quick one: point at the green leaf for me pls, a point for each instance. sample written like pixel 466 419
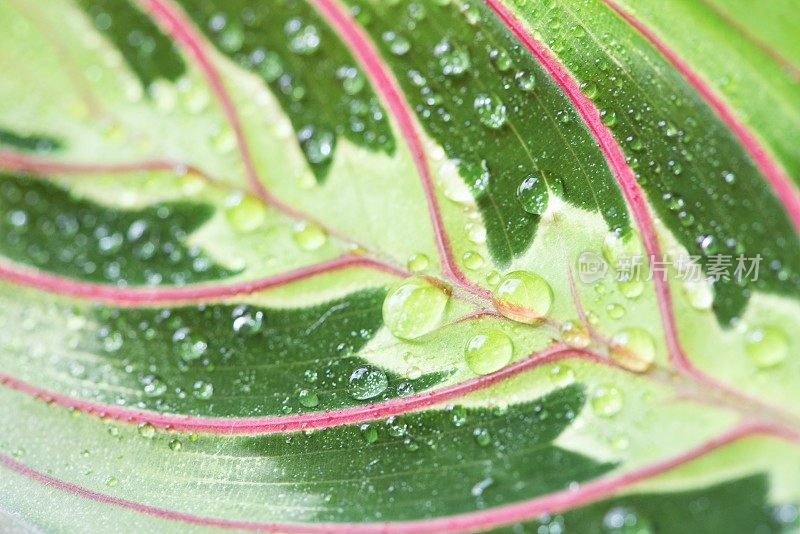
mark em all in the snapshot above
pixel 734 506
pixel 323 265
pixel 53 231
pixel 150 53
pixel 314 77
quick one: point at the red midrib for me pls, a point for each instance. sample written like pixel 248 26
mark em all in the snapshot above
pixel 385 85
pixel 307 421
pixel 149 295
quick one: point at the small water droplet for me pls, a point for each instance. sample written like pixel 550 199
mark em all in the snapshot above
pixel 308 398
pixel 309 236
pixel 414 308
pixel 245 213
pixel 634 349
pixel 367 382
pixel 607 401
pixel 473 260
pixel 491 111
pixel 146 430
pixel 575 334
pixel 175 444
pixel 418 262
pixel 488 352
pixel 767 346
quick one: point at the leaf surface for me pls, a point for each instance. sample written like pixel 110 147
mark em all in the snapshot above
pixel 354 265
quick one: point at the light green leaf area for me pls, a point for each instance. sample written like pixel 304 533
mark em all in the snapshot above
pixel 150 254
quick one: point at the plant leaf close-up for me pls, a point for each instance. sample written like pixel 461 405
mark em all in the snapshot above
pixel 400 266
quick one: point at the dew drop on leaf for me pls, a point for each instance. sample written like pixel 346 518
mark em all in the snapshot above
pixel 491 111
pixel 175 444
pixel 244 213
pixel 575 334
pixel 417 262
pixel 414 308
pixel 454 60
pixel 146 430
pixel 202 389
pixel 526 81
pixel 308 398
pixel 767 346
pixel 607 401
pixel 634 349
pixel 367 382
pixel 523 296
pixel 309 236
pixel 369 433
pixel 533 194
pixel 488 352
pixel 562 375
pixel 615 310
pixel 473 260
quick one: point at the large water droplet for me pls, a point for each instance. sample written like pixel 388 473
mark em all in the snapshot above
pixel 634 349
pixel 523 296
pixel 488 352
pixel 366 382
pixel 767 346
pixel 414 308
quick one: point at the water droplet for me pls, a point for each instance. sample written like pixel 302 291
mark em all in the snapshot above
pixel 634 349
pixel 607 401
pixel 175 444
pixel 153 386
pixel 523 296
pixel 767 346
pixel 482 436
pixel 146 430
pixel 533 194
pixel 418 262
pixel 247 321
pixel 112 481
pixel 203 390
pixel 562 375
pixel 575 334
pixel 473 260
pixel 414 308
pixel 488 352
pixel 454 60
pixel 308 398
pixel 625 520
pixel 501 59
pixel 367 382
pixel 526 81
pixel 369 433
pixel 245 213
pixel 491 111
pixel 309 236
pixel 188 346
pixel 398 45
pixel 303 39
pixel 615 311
